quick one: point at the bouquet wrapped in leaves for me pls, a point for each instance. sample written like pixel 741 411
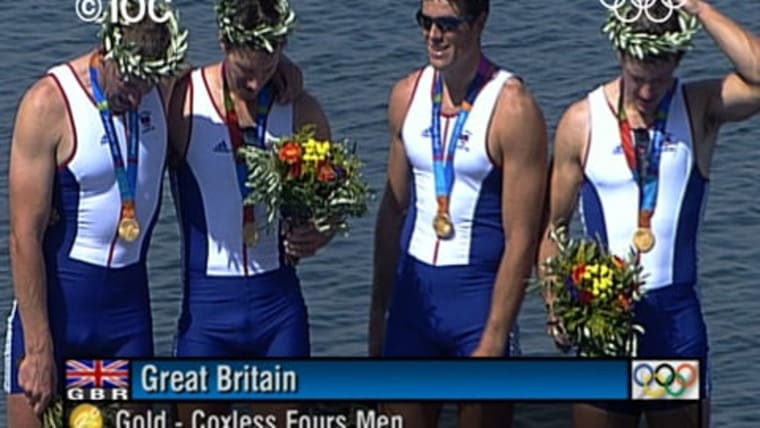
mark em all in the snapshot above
pixel 594 295
pixel 53 415
pixel 300 179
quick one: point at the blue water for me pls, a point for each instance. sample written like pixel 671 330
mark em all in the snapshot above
pixel 352 52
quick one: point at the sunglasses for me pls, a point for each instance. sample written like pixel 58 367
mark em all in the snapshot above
pixel 444 23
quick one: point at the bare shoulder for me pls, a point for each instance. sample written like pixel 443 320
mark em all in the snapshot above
pixel 576 116
pixel 517 118
pixel 44 98
pixel 43 103
pixel 573 130
pixel 516 100
pixel 404 88
pixel 401 96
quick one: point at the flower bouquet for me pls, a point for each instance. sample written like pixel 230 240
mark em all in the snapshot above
pixel 53 415
pixel 301 179
pixel 594 295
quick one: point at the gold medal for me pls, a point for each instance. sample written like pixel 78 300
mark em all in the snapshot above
pixel 129 229
pixel 643 239
pixel 443 226
pixel 250 234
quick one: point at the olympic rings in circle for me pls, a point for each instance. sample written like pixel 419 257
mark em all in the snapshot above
pixel 664 379
pixel 642 6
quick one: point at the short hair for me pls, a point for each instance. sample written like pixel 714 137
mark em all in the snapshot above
pixel 470 7
pixel 149 37
pixel 252 13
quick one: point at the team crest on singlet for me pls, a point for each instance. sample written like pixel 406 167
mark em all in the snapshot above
pixel 463 143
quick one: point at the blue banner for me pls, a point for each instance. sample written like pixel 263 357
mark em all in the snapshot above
pixel 379 379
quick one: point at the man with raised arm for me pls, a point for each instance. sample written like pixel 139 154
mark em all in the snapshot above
pixel 637 152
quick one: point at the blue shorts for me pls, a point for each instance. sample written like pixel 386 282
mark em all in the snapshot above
pixel 673 328
pixel 94 312
pixel 251 317
pixel 439 311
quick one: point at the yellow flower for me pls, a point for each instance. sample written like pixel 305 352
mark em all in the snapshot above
pixel 601 278
pixel 315 151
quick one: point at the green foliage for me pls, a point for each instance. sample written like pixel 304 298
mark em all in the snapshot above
pixel 131 63
pixel 264 35
pixel 642 44
pixel 594 295
pixel 53 415
pixel 327 190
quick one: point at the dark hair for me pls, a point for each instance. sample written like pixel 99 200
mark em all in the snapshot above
pixel 252 13
pixel 470 7
pixel 645 25
pixel 151 38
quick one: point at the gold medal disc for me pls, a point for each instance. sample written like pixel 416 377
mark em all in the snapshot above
pixel 643 240
pixel 443 226
pixel 129 229
pixel 250 234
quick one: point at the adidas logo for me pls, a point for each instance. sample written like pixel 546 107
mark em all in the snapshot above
pixel 222 147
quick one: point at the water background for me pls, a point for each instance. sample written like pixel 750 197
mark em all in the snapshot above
pixel 352 51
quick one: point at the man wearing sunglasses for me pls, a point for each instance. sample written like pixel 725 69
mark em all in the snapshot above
pixel 460 218
pixel 637 152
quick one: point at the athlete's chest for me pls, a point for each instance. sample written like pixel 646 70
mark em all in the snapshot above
pixel 608 166
pixel 140 146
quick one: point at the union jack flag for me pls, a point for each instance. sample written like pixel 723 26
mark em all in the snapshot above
pixel 97 373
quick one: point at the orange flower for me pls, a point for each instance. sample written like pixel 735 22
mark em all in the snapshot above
pixel 290 153
pixel 326 172
pixel 578 272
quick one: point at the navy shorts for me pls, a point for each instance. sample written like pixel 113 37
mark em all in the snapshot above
pixel 248 317
pixel 440 311
pixel 94 312
pixel 673 328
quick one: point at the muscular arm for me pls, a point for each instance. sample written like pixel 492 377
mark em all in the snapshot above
pixel 31 174
pixel 520 131
pixel 737 96
pixel 566 177
pixel 391 214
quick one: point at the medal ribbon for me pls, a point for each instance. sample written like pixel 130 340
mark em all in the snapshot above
pixel 237 138
pixel 643 157
pixel 443 166
pixel 125 177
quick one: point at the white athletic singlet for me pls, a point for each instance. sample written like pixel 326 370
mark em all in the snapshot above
pixel 475 201
pixel 208 197
pixel 610 196
pixel 89 192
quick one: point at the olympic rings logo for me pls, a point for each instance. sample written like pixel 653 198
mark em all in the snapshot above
pixel 642 7
pixel 664 379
